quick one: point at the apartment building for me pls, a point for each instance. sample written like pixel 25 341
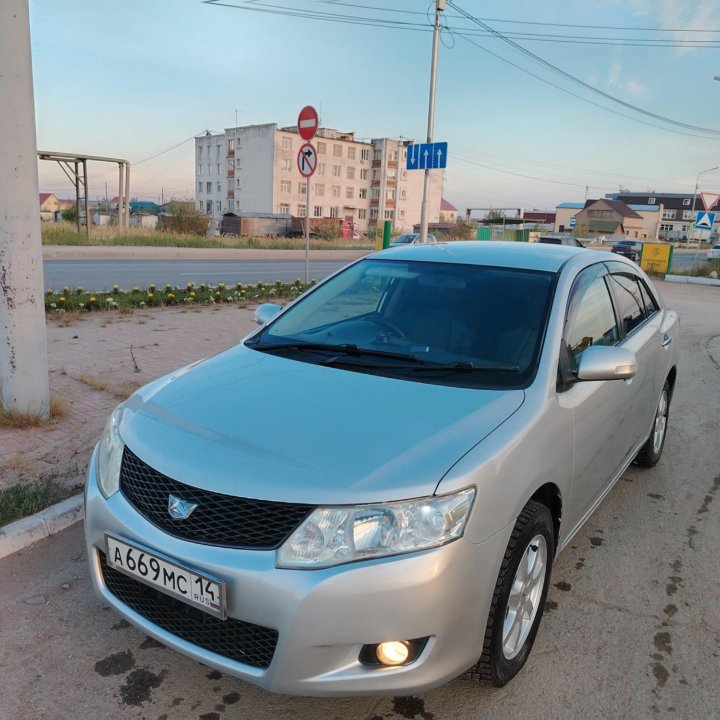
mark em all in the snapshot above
pixel 254 169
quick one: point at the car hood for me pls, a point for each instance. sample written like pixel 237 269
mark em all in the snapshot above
pixel 257 425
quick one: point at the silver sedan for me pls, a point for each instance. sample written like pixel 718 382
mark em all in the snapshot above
pixel 366 495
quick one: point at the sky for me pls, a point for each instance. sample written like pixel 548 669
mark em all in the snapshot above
pixel 540 103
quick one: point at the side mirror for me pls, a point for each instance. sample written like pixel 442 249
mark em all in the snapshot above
pixel 603 362
pixel 266 312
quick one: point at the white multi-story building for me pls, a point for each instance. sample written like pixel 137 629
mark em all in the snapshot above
pixel 253 169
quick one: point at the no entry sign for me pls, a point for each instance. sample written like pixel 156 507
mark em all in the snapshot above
pixel 307 160
pixel 307 123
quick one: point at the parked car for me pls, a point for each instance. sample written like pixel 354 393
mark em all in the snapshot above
pixel 628 248
pixel 713 253
pixel 410 239
pixel 568 240
pixel 367 494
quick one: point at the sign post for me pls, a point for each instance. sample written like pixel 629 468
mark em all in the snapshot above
pixel 307 125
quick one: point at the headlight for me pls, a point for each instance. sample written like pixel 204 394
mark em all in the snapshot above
pixel 336 535
pixel 109 455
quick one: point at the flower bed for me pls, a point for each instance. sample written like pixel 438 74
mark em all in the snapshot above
pixel 79 300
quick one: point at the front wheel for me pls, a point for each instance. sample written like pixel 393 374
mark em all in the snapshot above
pixel 519 597
pixel 651 451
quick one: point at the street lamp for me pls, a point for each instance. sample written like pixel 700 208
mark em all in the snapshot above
pixel 439 7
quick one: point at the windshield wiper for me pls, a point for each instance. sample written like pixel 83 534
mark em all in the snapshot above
pixel 467 366
pixel 344 348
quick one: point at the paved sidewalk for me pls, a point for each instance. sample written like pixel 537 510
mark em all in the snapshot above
pixel 98 359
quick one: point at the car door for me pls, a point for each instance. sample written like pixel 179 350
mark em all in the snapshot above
pixel 600 425
pixel 640 331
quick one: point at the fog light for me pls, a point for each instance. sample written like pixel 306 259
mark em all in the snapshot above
pixel 393 653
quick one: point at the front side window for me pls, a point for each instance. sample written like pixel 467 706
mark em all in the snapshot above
pixel 591 318
pixel 631 306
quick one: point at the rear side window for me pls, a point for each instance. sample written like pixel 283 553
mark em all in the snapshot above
pixel 651 306
pixel 591 319
pixel 630 302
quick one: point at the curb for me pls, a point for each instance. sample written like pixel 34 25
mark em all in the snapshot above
pixel 692 280
pixel 27 531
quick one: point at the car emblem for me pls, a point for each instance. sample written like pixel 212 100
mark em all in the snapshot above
pixel 180 509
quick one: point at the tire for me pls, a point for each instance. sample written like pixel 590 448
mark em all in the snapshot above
pixel 507 644
pixel 650 452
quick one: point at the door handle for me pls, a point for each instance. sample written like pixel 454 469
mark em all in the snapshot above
pixel 666 340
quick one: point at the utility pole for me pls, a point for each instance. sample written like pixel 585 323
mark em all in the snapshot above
pixel 24 383
pixel 439 7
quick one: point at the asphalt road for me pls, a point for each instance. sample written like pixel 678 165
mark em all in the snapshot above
pixel 632 626
pixel 99 275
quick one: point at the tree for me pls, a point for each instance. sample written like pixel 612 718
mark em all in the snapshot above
pixel 70 213
pixel 185 220
pixel 495 216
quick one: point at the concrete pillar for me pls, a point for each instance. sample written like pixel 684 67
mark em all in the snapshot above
pixel 23 348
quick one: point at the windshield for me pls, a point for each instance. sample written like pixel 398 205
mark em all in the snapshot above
pixel 445 323
pixel 403 239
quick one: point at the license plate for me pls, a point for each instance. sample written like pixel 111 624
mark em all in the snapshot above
pixel 147 566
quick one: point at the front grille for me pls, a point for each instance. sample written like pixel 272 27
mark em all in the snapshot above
pixel 219 519
pixel 241 641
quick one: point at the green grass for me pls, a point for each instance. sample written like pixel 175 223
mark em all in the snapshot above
pixel 701 269
pixel 67 234
pixel 19 501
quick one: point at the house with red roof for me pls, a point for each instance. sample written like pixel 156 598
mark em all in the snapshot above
pixel 448 212
pixel 51 206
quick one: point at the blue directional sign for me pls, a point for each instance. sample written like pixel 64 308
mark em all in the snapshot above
pixel 427 156
pixel 573 222
pixel 705 220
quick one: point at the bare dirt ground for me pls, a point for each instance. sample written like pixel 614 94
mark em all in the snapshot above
pixel 96 360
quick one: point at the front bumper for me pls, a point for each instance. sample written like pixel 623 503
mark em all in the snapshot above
pixel 324 617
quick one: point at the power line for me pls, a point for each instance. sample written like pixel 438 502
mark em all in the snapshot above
pixel 284 10
pixel 613 175
pixel 532 22
pixel 577 81
pixel 575 95
pixel 162 152
pixel 526 177
pixel 304 13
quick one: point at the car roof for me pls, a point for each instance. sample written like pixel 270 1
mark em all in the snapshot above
pixel 530 256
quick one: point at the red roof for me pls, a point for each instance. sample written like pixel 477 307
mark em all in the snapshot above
pixel 446 206
pixel 44 197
